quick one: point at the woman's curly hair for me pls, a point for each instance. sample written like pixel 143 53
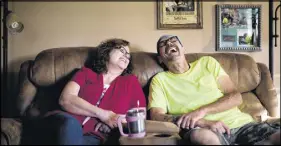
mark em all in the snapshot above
pixel 102 56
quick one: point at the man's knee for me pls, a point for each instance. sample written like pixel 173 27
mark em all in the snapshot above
pixel 275 138
pixel 204 136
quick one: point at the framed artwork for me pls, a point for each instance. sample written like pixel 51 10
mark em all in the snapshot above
pixel 179 14
pixel 238 27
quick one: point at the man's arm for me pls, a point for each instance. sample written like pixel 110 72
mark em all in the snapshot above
pixel 158 114
pixel 230 99
pixel 157 104
pixel 216 126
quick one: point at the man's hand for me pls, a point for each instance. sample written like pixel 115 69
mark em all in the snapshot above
pixel 109 118
pixel 188 120
pixel 102 127
pixel 215 126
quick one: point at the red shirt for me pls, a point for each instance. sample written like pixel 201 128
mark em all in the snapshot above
pixel 122 94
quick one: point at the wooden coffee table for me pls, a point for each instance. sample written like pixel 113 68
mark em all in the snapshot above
pixel 157 133
pixel 152 139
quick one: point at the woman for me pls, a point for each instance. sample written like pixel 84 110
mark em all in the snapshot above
pixel 95 97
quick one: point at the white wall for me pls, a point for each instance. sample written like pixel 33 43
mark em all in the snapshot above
pixel 61 24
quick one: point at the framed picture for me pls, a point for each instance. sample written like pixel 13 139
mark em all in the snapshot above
pixel 179 14
pixel 238 27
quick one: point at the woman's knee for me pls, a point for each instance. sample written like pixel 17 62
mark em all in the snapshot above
pixel 63 121
pixel 64 129
pixel 204 136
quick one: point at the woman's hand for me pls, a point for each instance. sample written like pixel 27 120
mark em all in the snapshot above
pixel 109 118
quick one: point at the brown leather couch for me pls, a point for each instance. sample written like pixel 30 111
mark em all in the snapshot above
pixel 41 81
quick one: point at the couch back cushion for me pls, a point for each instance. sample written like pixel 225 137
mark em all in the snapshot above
pixel 52 69
pixel 52 65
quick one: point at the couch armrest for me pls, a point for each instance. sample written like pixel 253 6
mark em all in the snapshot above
pixel 27 90
pixel 10 131
pixel 266 91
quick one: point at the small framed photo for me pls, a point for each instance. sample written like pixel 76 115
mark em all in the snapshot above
pixel 179 14
pixel 238 27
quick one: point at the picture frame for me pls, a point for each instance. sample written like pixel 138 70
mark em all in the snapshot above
pixel 179 14
pixel 238 27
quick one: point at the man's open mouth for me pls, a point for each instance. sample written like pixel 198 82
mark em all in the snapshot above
pixel 171 50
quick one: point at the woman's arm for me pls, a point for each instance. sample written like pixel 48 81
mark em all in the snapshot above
pixel 70 102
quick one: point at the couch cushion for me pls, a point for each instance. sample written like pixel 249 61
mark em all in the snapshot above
pixel 145 66
pixel 253 106
pixel 53 64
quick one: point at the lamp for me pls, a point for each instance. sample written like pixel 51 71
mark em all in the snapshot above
pixel 13 23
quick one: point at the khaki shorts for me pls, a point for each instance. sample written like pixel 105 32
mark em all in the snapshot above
pixel 251 133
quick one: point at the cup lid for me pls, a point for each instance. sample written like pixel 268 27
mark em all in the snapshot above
pixel 136 112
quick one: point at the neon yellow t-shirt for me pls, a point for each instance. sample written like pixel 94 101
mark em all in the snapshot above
pixel 182 93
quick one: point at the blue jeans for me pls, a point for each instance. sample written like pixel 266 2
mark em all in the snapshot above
pixel 68 131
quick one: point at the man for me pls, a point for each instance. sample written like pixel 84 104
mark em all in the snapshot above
pixel 202 100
